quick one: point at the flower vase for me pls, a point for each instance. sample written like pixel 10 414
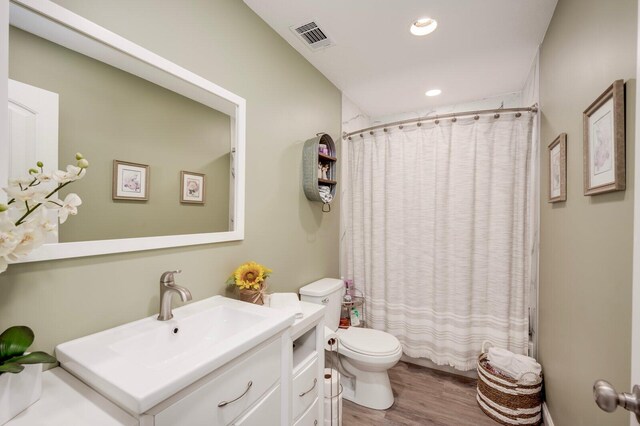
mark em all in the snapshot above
pixel 253 296
pixel 18 391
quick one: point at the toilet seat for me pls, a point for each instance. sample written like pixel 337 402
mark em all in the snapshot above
pixel 367 341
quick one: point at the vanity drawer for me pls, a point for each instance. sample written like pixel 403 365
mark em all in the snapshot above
pixel 311 417
pixel 240 385
pixel 267 411
pixel 305 387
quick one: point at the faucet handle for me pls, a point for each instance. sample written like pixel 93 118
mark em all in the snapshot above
pixel 167 277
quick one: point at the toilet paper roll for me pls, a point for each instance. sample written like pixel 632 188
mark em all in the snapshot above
pixel 331 383
pixel 330 340
pixel 332 398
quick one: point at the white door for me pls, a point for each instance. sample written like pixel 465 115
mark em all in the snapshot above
pixel 607 396
pixel 635 306
pixel 33 132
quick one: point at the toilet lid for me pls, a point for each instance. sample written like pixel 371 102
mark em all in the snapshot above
pixel 368 341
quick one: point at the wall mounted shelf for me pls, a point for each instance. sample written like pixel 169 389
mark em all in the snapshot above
pixel 312 176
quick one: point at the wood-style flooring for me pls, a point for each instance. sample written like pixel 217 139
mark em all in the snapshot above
pixel 423 397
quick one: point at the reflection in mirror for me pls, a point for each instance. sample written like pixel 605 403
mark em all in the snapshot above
pixel 77 86
pixel 109 114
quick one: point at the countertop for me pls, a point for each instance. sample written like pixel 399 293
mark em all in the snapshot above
pixel 66 401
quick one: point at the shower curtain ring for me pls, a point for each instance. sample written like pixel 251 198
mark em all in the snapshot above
pixel 453 120
pixel 437 121
pixel 518 114
pixel 419 124
pixel 496 116
pixel 476 117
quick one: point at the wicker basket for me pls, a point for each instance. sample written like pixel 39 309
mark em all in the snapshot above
pixel 506 400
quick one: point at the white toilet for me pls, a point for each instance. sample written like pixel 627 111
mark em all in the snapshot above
pixel 365 354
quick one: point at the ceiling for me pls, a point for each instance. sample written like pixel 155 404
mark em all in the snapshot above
pixel 481 48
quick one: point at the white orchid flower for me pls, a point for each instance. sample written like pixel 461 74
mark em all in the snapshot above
pixel 72 173
pixel 24 181
pixel 69 207
pixel 44 177
pixel 31 238
pixel 9 236
pixel 36 194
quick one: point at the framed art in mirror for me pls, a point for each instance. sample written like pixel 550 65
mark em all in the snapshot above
pixel 130 181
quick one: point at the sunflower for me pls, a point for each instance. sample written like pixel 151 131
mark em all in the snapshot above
pixel 249 275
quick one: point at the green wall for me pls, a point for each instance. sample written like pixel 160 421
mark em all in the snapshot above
pixel 288 101
pixel 108 114
pixel 586 242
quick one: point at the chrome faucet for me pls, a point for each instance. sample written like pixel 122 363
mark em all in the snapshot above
pixel 167 288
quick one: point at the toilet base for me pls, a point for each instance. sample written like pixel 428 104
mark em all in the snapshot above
pixel 371 389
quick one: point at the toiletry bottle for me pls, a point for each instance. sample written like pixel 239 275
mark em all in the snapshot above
pixel 351 288
pixel 355 317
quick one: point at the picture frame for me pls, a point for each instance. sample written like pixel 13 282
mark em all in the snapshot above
pixel 192 188
pixel 604 168
pixel 558 169
pixel 130 181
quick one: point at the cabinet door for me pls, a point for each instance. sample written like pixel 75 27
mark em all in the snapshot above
pixel 305 388
pixel 311 416
pixel 233 392
pixel 265 413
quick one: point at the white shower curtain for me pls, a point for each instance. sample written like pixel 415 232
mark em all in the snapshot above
pixel 439 237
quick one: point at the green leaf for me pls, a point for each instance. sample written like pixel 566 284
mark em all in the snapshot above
pixel 33 358
pixel 15 341
pixel 11 368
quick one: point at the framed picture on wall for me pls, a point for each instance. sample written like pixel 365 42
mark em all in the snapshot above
pixel 604 139
pixel 192 188
pixel 130 181
pixel 558 169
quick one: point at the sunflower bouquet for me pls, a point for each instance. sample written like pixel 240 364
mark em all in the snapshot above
pixel 250 280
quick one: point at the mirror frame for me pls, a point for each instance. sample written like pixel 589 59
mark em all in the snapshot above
pixel 53 20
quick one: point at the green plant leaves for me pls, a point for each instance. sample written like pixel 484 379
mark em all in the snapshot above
pixel 33 358
pixel 11 368
pixel 13 344
pixel 14 341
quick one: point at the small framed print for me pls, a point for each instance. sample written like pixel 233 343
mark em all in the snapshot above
pixel 558 169
pixel 130 181
pixel 604 139
pixel 192 188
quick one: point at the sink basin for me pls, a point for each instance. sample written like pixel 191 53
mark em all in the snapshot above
pixel 140 364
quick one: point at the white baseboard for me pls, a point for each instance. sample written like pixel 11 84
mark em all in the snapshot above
pixel 546 416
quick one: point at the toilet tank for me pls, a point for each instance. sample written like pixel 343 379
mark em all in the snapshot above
pixel 328 292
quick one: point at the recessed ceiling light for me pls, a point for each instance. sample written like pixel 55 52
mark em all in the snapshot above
pixel 433 92
pixel 423 26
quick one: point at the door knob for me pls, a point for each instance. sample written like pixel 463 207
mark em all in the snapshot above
pixel 608 399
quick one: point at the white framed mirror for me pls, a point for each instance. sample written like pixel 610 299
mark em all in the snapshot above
pixel 100 94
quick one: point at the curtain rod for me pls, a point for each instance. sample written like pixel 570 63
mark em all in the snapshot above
pixel 454 115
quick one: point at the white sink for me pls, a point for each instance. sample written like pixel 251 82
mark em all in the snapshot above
pixel 140 364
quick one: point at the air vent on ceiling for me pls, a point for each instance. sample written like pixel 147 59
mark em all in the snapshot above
pixel 312 35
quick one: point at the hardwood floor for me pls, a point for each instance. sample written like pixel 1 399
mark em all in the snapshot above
pixel 423 397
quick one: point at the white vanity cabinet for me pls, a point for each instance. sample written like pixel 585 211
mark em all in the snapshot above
pixel 246 391
pixel 307 393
